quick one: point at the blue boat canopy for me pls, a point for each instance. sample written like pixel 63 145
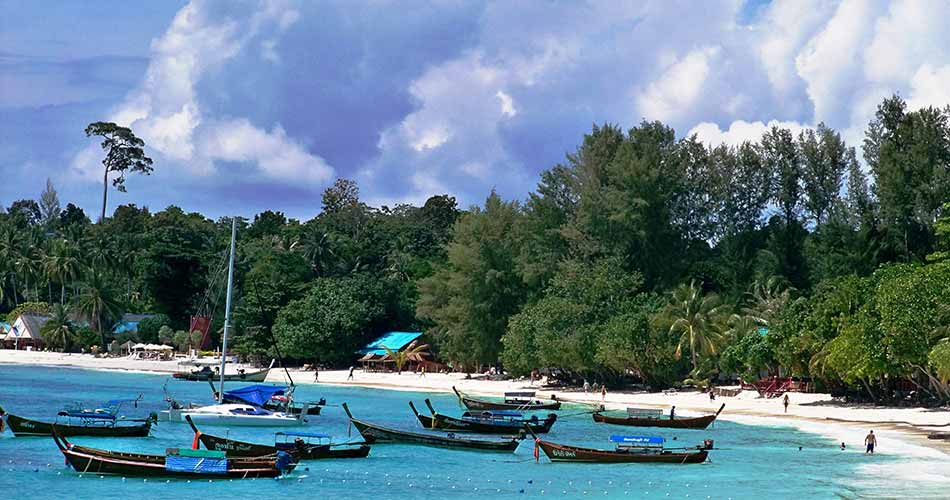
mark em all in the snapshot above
pixel 255 395
pixel 654 440
pixel 396 341
pixel 304 434
pixel 90 415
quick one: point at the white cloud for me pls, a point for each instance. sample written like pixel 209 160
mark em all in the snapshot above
pixel 507 104
pixel 785 27
pixel 168 114
pixel 830 62
pixel 930 87
pixel 739 131
pixel 678 87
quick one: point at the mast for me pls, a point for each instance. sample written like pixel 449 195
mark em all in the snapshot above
pixel 227 311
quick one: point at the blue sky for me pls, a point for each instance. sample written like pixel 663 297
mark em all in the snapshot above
pixel 248 106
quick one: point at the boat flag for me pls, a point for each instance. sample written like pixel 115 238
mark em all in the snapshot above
pixel 194 442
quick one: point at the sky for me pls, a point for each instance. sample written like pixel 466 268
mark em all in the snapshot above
pixel 253 105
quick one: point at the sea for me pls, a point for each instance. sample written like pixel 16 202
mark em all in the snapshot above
pixel 750 462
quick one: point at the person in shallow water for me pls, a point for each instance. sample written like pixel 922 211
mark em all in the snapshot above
pixel 871 441
pixel 842 446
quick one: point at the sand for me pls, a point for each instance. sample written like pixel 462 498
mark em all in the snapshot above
pixel 904 428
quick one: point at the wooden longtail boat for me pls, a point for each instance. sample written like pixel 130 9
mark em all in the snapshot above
pixel 630 449
pixel 374 433
pixel 87 424
pixel 207 374
pixel 639 419
pixel 484 422
pixel 176 464
pixel 523 401
pixel 300 451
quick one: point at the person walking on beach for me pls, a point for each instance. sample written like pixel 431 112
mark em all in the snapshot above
pixel 871 441
pixel 672 413
pixel 785 402
pixel 422 372
pixel 603 394
pixel 586 387
pixel 316 373
pixel 351 373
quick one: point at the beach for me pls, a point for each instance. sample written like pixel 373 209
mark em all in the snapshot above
pixel 816 413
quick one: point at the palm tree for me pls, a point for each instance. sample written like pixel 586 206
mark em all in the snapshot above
pixel 58 331
pixel 97 302
pixel 316 249
pixel 400 358
pixel 767 299
pixel 695 317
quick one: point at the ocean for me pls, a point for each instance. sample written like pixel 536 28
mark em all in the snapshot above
pixel 754 462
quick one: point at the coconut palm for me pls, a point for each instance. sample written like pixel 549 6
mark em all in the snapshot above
pixel 695 317
pixel 767 299
pixel 98 303
pixel 400 358
pixel 58 331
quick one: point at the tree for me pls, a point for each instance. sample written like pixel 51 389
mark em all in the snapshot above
pixel 343 194
pixel 124 153
pixel 25 213
pixel 49 206
pixel 824 159
pixel 400 358
pixel 58 332
pixel 471 297
pixel 148 328
pixel 334 319
pixel 781 158
pixel 695 317
pixel 98 303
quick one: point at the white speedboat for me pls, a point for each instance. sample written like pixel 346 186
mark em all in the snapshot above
pixel 233 415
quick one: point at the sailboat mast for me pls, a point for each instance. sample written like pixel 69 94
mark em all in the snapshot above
pixel 227 311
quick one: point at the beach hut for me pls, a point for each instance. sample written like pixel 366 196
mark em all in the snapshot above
pixel 25 332
pixel 376 358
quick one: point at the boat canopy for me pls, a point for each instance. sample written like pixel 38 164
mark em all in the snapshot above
pixel 637 440
pixel 255 395
pixel 304 434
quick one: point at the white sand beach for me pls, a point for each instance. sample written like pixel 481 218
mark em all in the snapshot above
pixel 816 413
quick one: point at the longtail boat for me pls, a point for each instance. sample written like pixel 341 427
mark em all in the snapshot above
pixel 206 374
pixel 301 450
pixel 374 433
pixel 79 423
pixel 629 449
pixel 524 401
pixel 174 464
pixel 655 418
pixel 484 422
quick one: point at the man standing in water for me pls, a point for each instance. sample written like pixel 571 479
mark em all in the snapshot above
pixel 870 440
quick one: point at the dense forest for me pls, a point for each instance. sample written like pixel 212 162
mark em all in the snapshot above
pixel 642 258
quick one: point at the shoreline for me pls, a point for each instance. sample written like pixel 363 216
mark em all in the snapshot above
pixel 814 413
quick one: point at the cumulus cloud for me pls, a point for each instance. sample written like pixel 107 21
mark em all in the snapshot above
pixel 678 87
pixel 168 113
pixel 739 131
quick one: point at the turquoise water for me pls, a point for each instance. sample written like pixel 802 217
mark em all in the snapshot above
pixel 755 461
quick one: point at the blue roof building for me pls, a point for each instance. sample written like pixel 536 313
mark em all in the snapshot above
pixel 395 341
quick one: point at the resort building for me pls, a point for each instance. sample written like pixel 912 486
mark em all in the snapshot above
pixel 25 332
pixel 406 351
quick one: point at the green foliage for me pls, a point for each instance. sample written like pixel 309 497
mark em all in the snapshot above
pixel 695 318
pixel 149 327
pixel 471 297
pixel 335 318
pixel 39 308
pixel 939 359
pixel 124 152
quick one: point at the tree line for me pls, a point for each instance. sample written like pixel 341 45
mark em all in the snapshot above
pixel 640 258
